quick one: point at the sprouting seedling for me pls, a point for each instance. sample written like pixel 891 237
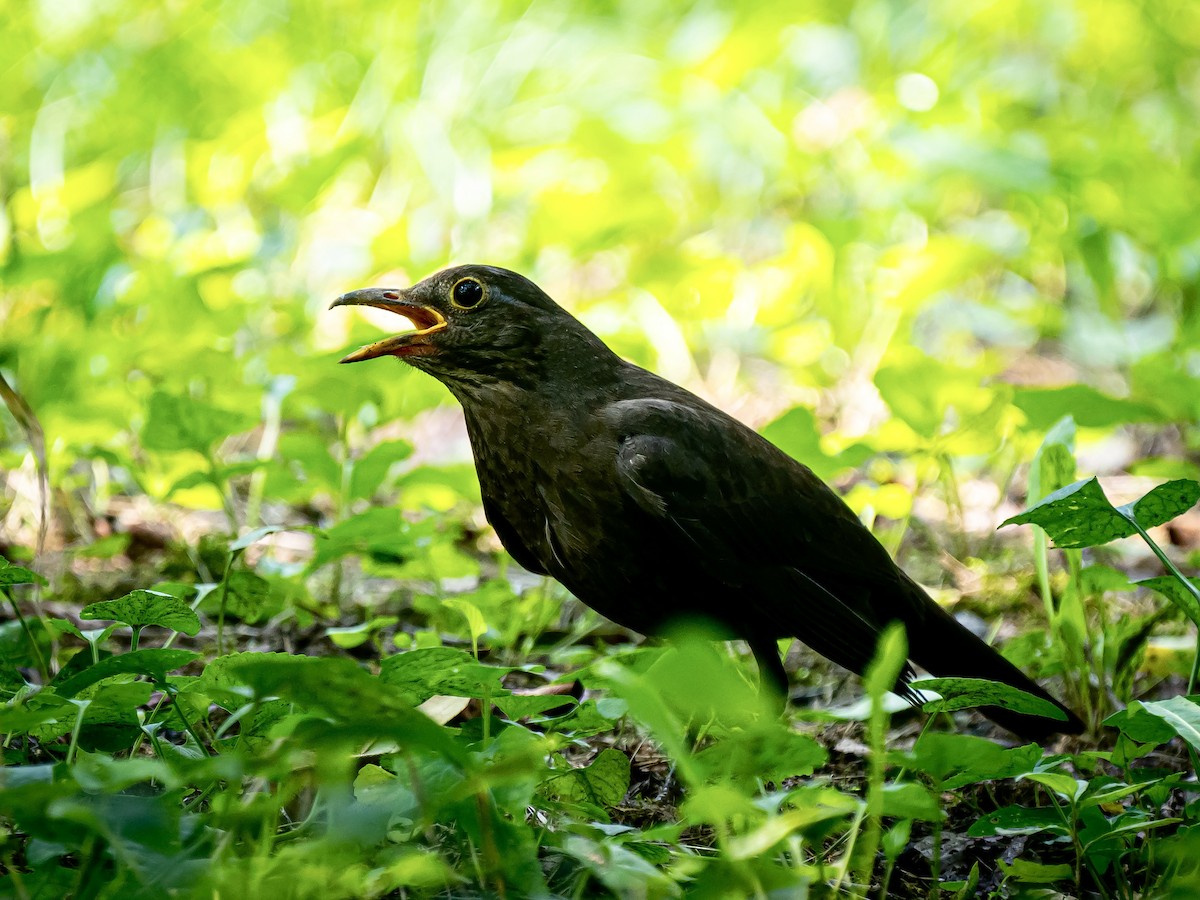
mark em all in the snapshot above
pixel 1080 515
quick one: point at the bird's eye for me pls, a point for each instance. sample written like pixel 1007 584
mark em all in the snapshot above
pixel 467 294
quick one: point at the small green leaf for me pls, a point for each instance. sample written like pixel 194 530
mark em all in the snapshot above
pixel 251 537
pixel 1036 873
pixel 1064 785
pixel 602 783
pixel 1076 516
pixel 967 693
pixel 10 574
pixel 141 608
pixel 476 626
pixel 1011 821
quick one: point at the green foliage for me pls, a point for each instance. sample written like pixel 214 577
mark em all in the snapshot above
pixel 925 239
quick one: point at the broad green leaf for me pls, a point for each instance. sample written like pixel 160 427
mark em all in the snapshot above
pixel 420 674
pixel 1141 725
pixel 1113 793
pixel 25 718
pixel 381 533
pixel 763 751
pixel 1053 464
pixel 603 782
pixel 1181 713
pixel 776 828
pixel 521 706
pixel 1087 406
pixel 956 760
pixel 154 663
pixel 350 636
pixel 248 596
pixel 910 800
pixel 141 608
pixel 966 693
pixel 1076 516
pixel 370 470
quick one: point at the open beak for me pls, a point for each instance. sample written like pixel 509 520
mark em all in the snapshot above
pixel 427 320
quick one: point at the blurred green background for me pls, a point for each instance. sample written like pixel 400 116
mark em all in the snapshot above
pixel 919 229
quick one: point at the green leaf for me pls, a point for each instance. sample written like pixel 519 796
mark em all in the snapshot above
pixel 1011 821
pixel 1181 713
pixel 1140 725
pixel 155 663
pixel 764 751
pixel 10 574
pixel 967 693
pixel 602 783
pixel 956 760
pixel 1164 503
pixel 1037 873
pixel 1064 785
pixel 248 597
pixel 1171 588
pixel 182 423
pixel 359 706
pixel 253 537
pixel 1076 516
pixel 370 470
pixel 910 800
pixel 1053 464
pixel 476 626
pixel 381 533
pixel 421 674
pixel 141 608
pixel 1086 405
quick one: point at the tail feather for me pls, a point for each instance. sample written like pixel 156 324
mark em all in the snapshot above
pixel 945 647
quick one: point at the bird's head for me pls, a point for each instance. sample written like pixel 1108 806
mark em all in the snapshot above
pixel 474 325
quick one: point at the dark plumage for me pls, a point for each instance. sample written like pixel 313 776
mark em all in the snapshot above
pixel 649 504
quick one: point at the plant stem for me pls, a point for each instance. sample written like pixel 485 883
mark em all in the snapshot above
pixel 42 668
pixel 1187 584
pixel 221 605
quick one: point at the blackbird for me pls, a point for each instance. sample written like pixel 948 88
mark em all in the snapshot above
pixel 650 504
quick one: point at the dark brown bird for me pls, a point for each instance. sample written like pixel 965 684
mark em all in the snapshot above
pixel 649 504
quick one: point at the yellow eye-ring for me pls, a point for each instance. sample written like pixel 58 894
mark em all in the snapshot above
pixel 467 293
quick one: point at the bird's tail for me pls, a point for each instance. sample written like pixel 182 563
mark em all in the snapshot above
pixel 946 648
